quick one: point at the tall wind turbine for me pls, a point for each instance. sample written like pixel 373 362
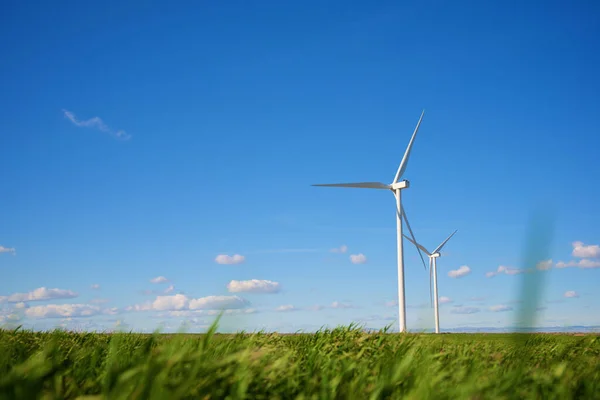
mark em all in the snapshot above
pixel 433 256
pixel 396 186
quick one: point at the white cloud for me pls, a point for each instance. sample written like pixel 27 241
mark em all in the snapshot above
pixel 254 286
pixel 571 294
pixel 337 304
pixel 175 302
pixel 159 279
pixel 229 260
pixel 8 318
pixel 99 301
pixel 62 311
pixel 21 305
pixel 583 263
pixel 358 258
pixel 218 303
pixel 96 122
pixel 500 308
pixel 169 289
pixel 95 286
pixel 460 272
pixel 196 313
pixel 465 310
pixel 391 303
pixel 581 250
pixel 10 250
pixel 544 265
pixel 342 249
pixel 180 302
pixel 476 298
pixel 287 307
pixel 504 270
pixel 445 300
pixel 39 294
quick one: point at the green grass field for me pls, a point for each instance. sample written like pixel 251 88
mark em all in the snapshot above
pixel 343 363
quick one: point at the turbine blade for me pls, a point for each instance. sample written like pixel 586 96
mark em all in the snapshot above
pixel 444 242
pixel 404 161
pixel 403 214
pixel 362 185
pixel 417 244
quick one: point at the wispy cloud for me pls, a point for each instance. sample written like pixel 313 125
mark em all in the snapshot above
pixel 445 300
pixel 159 279
pixel 97 123
pixel 253 286
pixel 229 260
pixel 167 290
pixel 571 294
pixel 583 263
pixel 99 301
pixel 67 310
pixel 358 258
pixel 504 270
pixel 286 308
pixel 285 251
pixel 465 310
pixel 337 304
pixel 95 286
pixel 342 249
pixel 460 272
pixel 544 265
pixel 501 308
pixel 476 299
pixel 39 294
pixel 10 250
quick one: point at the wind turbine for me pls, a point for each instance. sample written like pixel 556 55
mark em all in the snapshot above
pixel 396 186
pixel 433 256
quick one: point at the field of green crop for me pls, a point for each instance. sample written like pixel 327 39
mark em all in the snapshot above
pixel 343 363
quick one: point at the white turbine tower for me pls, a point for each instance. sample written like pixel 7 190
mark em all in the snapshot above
pixel 396 186
pixel 433 256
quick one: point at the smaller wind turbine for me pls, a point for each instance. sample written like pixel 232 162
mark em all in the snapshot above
pixel 433 256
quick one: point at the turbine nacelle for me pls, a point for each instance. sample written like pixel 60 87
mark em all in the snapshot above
pixel 400 185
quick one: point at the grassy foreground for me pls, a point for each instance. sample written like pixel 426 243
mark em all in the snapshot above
pixel 343 363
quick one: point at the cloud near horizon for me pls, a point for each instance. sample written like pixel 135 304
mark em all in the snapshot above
pixel 96 122
pixel 180 302
pixel 465 310
pixel 286 308
pixel 39 294
pixel 501 308
pixel 67 310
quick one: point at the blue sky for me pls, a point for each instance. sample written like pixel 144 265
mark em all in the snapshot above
pixel 142 141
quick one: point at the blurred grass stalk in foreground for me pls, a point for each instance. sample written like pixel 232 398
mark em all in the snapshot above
pixel 538 241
